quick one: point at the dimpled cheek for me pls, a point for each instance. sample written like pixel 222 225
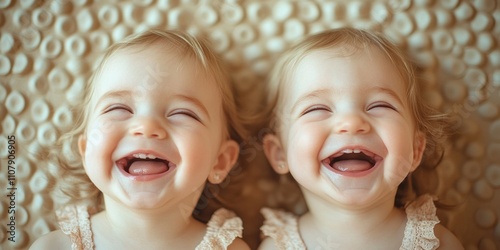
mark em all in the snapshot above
pixel 94 137
pixel 90 154
pixel 401 169
pixel 94 146
pixel 106 126
pixel 197 159
pixel 303 150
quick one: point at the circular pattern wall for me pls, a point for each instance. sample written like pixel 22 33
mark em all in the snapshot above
pixel 48 49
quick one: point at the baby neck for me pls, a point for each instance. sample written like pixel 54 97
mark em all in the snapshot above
pixel 148 227
pixel 147 221
pixel 354 222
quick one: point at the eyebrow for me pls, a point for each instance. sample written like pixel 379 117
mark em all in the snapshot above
pixel 311 95
pixel 387 91
pixel 114 94
pixel 196 102
pixel 128 94
pixel 325 91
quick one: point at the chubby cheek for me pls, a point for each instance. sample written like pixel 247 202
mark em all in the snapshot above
pixel 99 148
pixel 198 154
pixel 90 162
pixel 401 160
pixel 398 173
pixel 303 147
pixel 95 161
pixel 99 131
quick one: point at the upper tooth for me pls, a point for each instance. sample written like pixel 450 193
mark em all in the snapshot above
pixel 348 151
pixel 144 156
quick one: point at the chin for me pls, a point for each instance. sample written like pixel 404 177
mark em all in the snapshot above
pixel 144 201
pixel 355 197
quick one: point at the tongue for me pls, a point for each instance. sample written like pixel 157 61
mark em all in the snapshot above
pixel 351 165
pixel 147 167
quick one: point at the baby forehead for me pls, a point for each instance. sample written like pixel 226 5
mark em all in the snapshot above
pixel 334 68
pixel 159 51
pixel 149 68
pixel 347 52
pixel 156 59
pixel 327 62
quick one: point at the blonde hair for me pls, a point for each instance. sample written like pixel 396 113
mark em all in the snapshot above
pixel 427 120
pixel 78 187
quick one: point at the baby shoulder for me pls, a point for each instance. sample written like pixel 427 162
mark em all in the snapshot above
pixel 267 244
pixel 53 240
pixel 238 244
pixel 447 240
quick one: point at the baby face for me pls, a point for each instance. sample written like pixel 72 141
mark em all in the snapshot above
pixel 346 130
pixel 156 127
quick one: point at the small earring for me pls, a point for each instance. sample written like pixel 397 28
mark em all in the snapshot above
pixel 281 165
pixel 216 177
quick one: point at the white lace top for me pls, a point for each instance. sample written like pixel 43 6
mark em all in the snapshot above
pixel 282 227
pixel 222 229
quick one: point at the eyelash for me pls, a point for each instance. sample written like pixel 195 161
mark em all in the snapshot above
pixel 315 108
pixel 115 107
pixel 382 105
pixel 186 112
pixel 177 112
pixel 376 105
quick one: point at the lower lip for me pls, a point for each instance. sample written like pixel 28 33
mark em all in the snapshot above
pixel 354 174
pixel 148 177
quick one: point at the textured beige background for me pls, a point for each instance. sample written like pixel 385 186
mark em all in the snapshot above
pixel 48 48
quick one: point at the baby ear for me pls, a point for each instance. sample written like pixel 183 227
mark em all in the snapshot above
pixel 275 153
pixel 418 149
pixel 228 155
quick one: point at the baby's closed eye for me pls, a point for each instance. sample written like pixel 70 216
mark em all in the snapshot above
pixel 117 112
pixel 184 113
pixel 316 108
pixel 118 108
pixel 381 105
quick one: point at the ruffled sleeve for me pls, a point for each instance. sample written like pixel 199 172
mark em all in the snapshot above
pixel 222 229
pixel 75 222
pixel 419 231
pixel 282 227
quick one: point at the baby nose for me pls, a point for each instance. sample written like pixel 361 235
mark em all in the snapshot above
pixel 149 128
pixel 351 124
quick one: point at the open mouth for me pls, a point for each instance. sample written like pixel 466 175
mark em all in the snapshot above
pixel 140 164
pixel 352 160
